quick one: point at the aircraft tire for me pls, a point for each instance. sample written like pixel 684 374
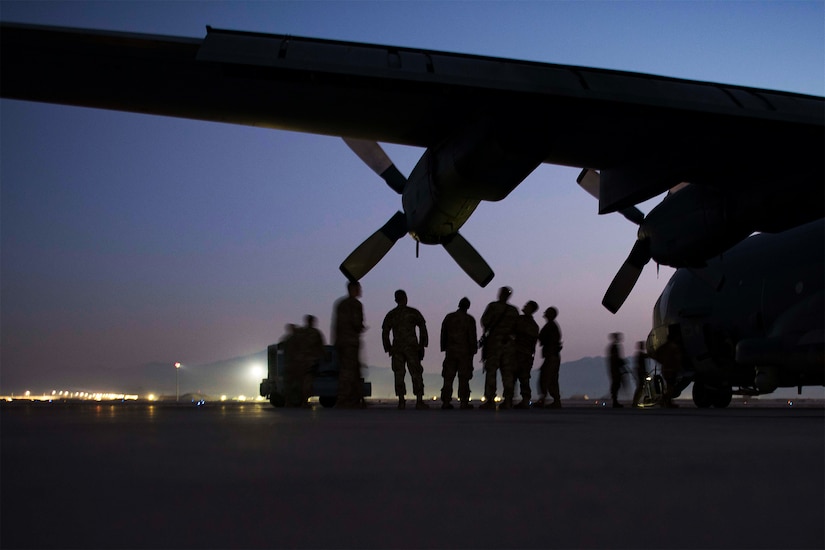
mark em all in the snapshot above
pixel 702 396
pixel 328 401
pixel 722 396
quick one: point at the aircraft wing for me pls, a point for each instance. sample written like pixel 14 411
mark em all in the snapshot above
pixel 644 132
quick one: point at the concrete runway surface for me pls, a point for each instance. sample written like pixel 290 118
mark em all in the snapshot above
pixel 251 476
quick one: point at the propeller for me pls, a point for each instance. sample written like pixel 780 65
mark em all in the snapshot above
pixel 374 156
pixel 370 252
pixel 625 279
pixel 641 253
pixel 468 259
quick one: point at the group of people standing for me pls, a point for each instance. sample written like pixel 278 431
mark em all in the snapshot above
pixel 508 346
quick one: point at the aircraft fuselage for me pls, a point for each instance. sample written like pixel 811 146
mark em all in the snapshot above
pixel 763 329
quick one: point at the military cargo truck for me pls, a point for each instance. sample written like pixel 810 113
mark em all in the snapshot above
pixel 324 385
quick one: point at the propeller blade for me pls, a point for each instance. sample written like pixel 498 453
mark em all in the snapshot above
pixel 590 181
pixel 469 260
pixel 626 278
pixel 374 156
pixel 370 252
pixel 677 188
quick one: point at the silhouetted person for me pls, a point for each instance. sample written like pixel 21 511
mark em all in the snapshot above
pixel 292 374
pixel 616 365
pixel 525 335
pixel 459 342
pixel 309 351
pixel 550 340
pixel 640 372
pixel 349 324
pixel 497 322
pixel 406 348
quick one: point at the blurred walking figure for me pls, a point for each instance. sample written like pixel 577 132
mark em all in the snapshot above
pixel 497 321
pixel 309 351
pixel 616 366
pixel 525 335
pixel 348 325
pixel 550 340
pixel 292 375
pixel 640 372
pixel 406 348
pixel 459 342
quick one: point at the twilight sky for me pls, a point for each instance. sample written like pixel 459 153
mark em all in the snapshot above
pixel 129 238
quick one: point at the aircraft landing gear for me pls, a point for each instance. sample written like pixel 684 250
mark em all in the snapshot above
pixel 277 399
pixel 328 401
pixel 707 395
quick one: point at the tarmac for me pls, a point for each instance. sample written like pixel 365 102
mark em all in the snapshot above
pixel 133 475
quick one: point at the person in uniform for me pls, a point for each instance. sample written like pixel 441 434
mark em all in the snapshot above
pixel 348 326
pixel 459 342
pixel 525 335
pixel 616 367
pixel 550 340
pixel 308 353
pixel 406 348
pixel 640 370
pixel 497 321
pixel 292 376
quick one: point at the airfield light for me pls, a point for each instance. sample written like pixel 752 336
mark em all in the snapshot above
pixel 177 386
pixel 257 371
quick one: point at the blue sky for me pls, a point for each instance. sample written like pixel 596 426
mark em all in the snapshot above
pixel 128 239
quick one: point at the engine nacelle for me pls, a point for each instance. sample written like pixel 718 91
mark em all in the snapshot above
pixel 484 162
pixel 691 226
